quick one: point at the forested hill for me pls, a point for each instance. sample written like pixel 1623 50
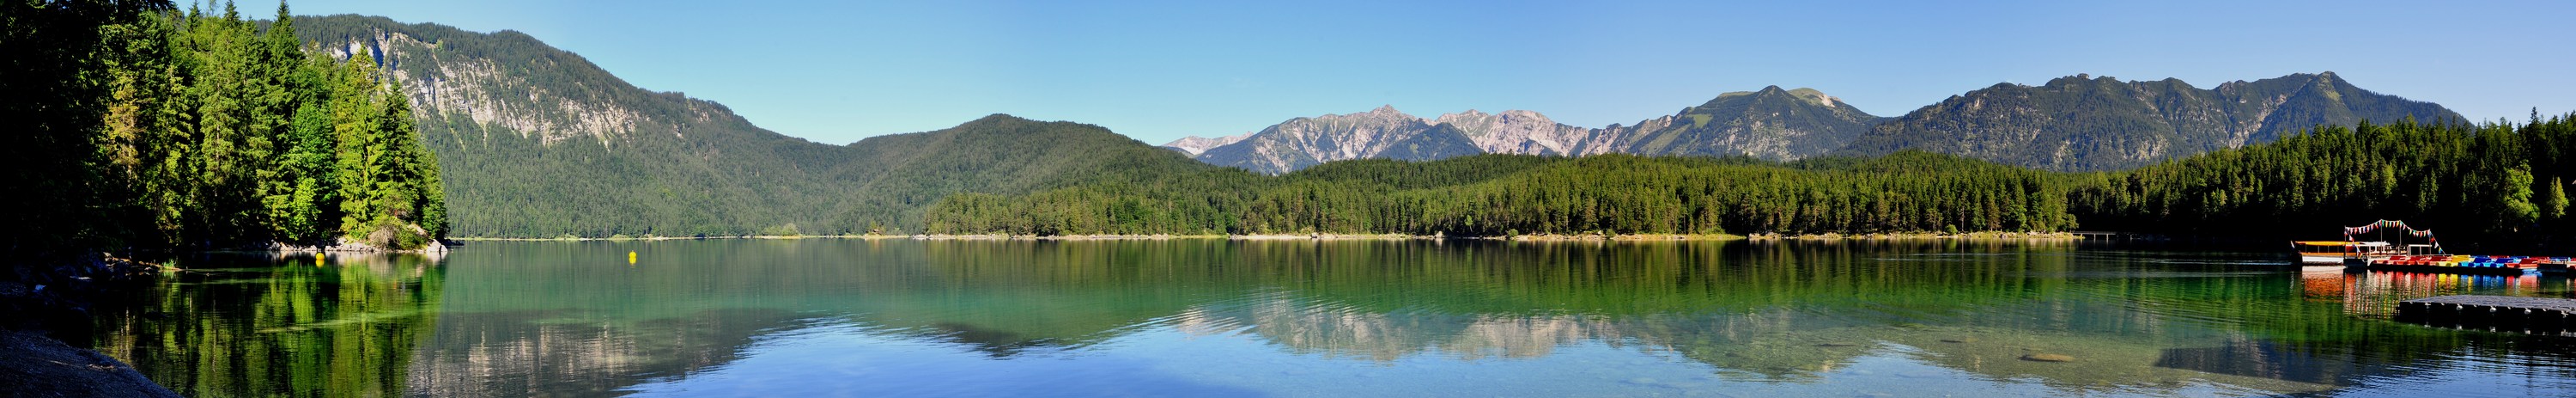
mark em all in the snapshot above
pixel 538 142
pixel 2481 183
pixel 2085 123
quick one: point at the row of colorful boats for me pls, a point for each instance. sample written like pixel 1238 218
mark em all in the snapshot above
pixel 2474 261
pixel 2353 254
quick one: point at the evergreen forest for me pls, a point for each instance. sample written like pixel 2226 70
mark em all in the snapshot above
pixel 2492 180
pixel 2475 180
pixel 139 126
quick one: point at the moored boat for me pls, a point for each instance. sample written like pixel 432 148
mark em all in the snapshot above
pixel 2423 257
pixel 2335 251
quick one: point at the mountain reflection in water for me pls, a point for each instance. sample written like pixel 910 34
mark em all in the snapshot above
pixel 1207 317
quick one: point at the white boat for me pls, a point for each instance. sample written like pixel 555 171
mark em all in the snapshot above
pixel 2335 251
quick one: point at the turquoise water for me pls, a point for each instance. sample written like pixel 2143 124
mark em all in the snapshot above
pixel 826 317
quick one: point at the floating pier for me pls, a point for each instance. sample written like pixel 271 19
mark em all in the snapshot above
pixel 2461 264
pixel 2530 315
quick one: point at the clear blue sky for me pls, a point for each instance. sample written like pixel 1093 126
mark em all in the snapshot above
pixel 836 71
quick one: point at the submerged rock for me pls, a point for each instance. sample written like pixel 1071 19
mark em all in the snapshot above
pixel 2044 357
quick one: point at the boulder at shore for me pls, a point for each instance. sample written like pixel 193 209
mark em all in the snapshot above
pixel 38 366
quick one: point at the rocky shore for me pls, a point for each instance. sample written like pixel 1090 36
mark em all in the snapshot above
pixel 39 366
pixel 35 364
pixel 344 245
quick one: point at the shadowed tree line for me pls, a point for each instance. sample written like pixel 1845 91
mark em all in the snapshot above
pixel 1494 195
pixel 135 126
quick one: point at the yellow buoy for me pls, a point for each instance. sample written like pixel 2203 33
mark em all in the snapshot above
pixel 630 257
pixel 317 259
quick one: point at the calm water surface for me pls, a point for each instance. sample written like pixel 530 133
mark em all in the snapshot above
pixel 1362 318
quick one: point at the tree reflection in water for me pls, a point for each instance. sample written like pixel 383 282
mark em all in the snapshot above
pixel 573 319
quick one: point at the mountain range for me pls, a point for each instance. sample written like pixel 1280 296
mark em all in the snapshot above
pixel 1771 123
pixel 535 141
pixel 540 142
pixel 2086 123
pixel 2074 123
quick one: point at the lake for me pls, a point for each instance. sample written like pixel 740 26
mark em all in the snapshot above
pixel 835 317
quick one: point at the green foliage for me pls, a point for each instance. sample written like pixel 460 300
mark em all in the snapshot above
pixel 2553 200
pixel 345 329
pixel 2467 180
pixel 2515 198
pixel 58 74
pixel 213 132
pixel 1501 195
pixel 782 230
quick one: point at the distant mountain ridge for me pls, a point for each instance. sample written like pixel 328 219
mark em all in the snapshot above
pixel 1196 145
pixel 2075 123
pixel 2086 123
pixel 1383 133
pixel 1771 123
pixel 534 141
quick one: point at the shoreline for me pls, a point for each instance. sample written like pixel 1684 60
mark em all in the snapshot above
pixel 1988 235
pixel 41 364
pixel 1759 237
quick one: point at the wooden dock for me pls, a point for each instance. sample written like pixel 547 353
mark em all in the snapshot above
pixel 2531 315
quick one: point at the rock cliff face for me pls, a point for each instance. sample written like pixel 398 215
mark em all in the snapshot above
pixel 1525 132
pixel 1771 123
pixel 2075 123
pixel 1307 141
pixel 522 92
pixel 2082 122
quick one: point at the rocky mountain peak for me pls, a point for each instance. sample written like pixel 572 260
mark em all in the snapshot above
pixel 450 74
pixel 1383 115
pixel 1803 94
pixel 2080 78
pixel 1815 96
pixel 1195 145
pixel 1306 141
pixel 2329 80
pixel 2085 122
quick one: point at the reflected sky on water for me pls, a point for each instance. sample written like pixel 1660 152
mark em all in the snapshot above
pixel 827 317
